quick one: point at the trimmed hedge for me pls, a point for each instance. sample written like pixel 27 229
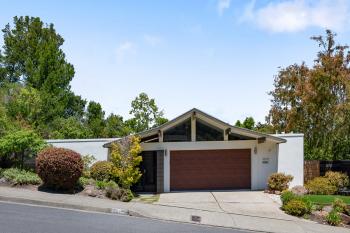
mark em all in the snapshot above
pixel 296 207
pixel 321 185
pixel 279 181
pixel 101 170
pixel 59 168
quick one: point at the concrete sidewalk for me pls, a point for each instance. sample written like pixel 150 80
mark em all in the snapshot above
pixel 164 212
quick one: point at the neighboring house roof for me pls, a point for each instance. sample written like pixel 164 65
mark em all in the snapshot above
pixel 220 123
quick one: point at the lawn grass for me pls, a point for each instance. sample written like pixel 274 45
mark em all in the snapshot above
pixel 327 199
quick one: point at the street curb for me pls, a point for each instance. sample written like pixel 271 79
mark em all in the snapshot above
pixel 116 211
pixel 69 206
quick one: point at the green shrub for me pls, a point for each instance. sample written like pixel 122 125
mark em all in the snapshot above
pixel 307 202
pixel 101 170
pixel 321 186
pixel 279 181
pixel 111 184
pixel 333 218
pixel 296 207
pixel 337 179
pixel 287 196
pixel 83 182
pixel 59 168
pixel 121 194
pixel 340 206
pixel 1 171
pixel 20 177
pixel 101 184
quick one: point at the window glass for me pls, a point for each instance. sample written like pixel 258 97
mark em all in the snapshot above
pixel 206 132
pixel 179 133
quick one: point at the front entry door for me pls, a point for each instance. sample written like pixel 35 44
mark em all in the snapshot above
pixel 148 167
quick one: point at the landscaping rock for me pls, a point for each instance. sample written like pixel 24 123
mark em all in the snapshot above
pixel 327 208
pixel 3 181
pixel 345 218
pixel 91 191
pixel 299 190
pixel 318 216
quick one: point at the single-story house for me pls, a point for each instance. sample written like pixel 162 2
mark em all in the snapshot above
pixel 196 151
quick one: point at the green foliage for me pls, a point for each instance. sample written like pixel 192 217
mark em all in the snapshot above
pixel 95 119
pixel 315 101
pixel 145 114
pixel 115 126
pixel 337 179
pixel 320 185
pixel 70 127
pixel 59 168
pixel 104 184
pixel 84 181
pixel 125 155
pixel 333 218
pixel 20 177
pixel 33 57
pixel 101 170
pixel 87 161
pixel 340 206
pixel 287 196
pixel 296 207
pixel 101 184
pixel 279 181
pixel 248 123
pixel 121 194
pixel 25 104
pixel 21 144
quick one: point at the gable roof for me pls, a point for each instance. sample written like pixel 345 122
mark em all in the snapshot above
pixel 218 122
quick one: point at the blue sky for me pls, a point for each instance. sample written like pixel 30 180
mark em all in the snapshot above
pixel 217 55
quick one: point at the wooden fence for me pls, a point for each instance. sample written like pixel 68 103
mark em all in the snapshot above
pixel 314 168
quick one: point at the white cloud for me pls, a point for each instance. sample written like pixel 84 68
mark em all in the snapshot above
pixel 223 5
pixel 297 15
pixel 124 49
pixel 153 40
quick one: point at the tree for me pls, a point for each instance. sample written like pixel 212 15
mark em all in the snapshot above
pixel 145 114
pixel 25 104
pixel 315 101
pixel 32 56
pixel 95 119
pixel 125 155
pixel 69 128
pixel 115 126
pixel 248 123
pixel 19 145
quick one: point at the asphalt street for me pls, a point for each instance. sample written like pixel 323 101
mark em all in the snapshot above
pixel 19 218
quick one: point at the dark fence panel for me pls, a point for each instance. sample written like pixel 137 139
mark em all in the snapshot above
pixel 338 166
pixel 311 169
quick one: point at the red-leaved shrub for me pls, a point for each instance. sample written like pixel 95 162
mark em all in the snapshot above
pixel 59 168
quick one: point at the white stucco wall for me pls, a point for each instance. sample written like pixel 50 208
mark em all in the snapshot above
pixel 291 157
pixel 85 146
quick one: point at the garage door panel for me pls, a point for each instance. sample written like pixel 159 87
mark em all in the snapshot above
pixel 210 169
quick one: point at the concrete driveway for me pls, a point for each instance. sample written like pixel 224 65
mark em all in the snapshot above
pixel 249 203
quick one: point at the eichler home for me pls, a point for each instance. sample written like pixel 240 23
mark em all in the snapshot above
pixel 196 151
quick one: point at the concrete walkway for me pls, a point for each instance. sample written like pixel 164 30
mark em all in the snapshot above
pixel 214 217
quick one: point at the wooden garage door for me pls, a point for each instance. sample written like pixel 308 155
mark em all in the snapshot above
pixel 210 169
